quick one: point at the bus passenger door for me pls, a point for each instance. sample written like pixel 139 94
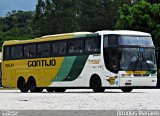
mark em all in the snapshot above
pixel 112 65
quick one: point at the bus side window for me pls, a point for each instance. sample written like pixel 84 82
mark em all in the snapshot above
pixel 40 50
pixel 62 48
pixel 71 47
pixel 75 46
pixel 92 45
pixel 44 49
pixel 32 50
pixel 29 50
pixel 58 48
pixel 54 49
pixel 26 51
pixel 16 51
pixel 6 53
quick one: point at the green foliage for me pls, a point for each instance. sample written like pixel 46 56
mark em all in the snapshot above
pixel 142 16
pixel 16 25
pixel 60 16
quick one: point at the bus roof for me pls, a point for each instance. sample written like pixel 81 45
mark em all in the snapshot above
pixel 123 32
pixel 51 37
pixel 76 35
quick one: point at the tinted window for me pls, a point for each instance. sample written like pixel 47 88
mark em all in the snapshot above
pixel 111 59
pixel 105 41
pixel 6 53
pixel 30 50
pixel 111 53
pixel 16 51
pixel 58 48
pixel 75 46
pixel 112 40
pixel 26 51
pixel 44 49
pixel 92 45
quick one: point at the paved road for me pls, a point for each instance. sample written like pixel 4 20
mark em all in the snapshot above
pixel 138 99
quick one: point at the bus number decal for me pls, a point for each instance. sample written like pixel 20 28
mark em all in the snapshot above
pixel 9 65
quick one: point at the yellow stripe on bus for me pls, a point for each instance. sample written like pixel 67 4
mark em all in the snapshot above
pixel 136 72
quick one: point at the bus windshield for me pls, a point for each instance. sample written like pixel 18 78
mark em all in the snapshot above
pixel 137 59
pixel 135 40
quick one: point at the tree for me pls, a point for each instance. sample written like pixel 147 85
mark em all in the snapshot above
pixel 60 16
pixel 142 16
pixel 16 25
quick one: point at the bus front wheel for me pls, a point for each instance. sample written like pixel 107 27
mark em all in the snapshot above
pixel 126 90
pixel 96 84
pixel 22 85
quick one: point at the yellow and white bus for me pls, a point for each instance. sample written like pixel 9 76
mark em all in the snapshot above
pixel 104 59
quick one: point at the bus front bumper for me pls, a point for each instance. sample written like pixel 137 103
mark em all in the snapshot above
pixel 138 81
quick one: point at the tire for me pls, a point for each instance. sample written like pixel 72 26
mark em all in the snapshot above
pixel 96 84
pixel 50 89
pixel 126 90
pixel 59 89
pixel 22 85
pixel 32 86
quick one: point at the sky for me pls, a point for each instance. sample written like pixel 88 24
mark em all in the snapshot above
pixel 9 5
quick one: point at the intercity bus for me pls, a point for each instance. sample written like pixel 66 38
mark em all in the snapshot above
pixel 105 59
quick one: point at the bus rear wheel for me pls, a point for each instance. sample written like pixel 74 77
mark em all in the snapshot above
pixel 32 86
pixel 96 84
pixel 126 90
pixel 22 85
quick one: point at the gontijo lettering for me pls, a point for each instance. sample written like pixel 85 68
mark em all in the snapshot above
pixel 38 63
